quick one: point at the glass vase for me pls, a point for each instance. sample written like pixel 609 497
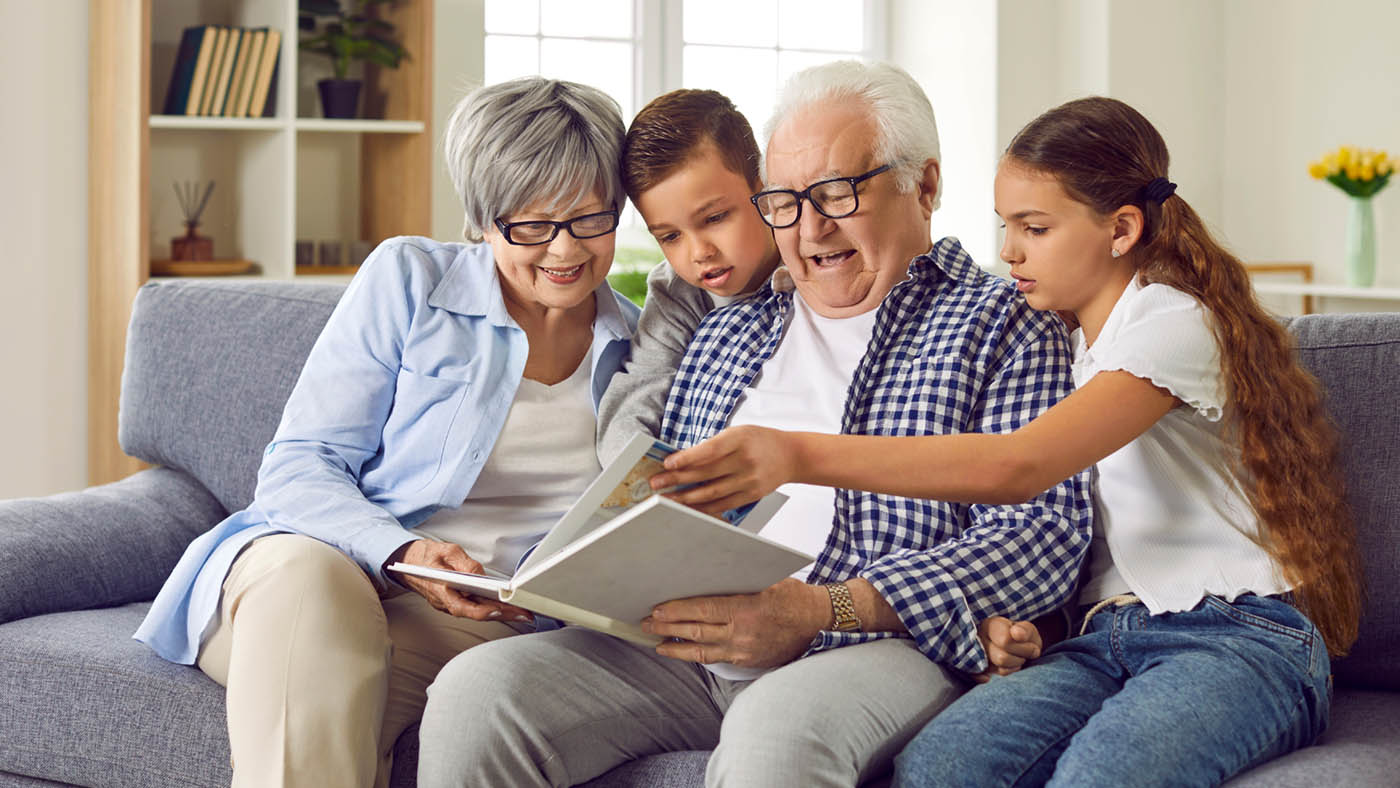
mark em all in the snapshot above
pixel 1361 243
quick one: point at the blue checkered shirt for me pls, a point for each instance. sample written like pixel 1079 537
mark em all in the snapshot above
pixel 954 349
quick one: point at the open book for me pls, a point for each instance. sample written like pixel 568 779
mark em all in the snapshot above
pixel 621 549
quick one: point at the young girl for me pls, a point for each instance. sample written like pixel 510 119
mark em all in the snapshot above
pixel 1224 567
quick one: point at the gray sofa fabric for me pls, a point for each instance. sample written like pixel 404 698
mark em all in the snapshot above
pixel 103 546
pixel 1357 358
pixel 207 371
pixel 208 368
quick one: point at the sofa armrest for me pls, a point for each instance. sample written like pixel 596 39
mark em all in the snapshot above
pixel 103 546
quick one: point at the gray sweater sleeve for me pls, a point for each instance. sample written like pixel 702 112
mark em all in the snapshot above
pixel 637 393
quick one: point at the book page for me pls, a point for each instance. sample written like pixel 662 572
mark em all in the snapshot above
pixel 658 551
pixel 489 587
pixel 621 485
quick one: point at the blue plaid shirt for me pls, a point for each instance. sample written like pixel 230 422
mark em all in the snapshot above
pixel 954 349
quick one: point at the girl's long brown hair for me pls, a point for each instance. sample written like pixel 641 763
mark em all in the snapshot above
pixel 1103 153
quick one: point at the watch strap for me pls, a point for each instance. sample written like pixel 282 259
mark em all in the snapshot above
pixel 843 608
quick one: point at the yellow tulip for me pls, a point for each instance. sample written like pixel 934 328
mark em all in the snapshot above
pixel 1385 167
pixel 1330 162
pixel 1318 170
pixel 1368 172
pixel 1344 156
pixel 1353 172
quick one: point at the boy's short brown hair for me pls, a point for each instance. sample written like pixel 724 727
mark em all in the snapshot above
pixel 667 132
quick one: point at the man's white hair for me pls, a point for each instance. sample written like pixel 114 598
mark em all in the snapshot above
pixel 906 132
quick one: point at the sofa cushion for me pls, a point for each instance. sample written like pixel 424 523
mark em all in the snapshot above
pixel 1355 357
pixel 103 546
pixel 209 366
pixel 83 703
pixel 1357 750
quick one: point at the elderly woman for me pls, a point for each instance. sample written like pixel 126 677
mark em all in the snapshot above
pixel 444 417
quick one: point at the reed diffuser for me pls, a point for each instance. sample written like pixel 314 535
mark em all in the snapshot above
pixel 192 246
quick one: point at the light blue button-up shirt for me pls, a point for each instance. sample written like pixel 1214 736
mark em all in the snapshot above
pixel 397 408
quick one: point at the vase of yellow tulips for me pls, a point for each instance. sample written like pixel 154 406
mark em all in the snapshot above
pixel 1360 173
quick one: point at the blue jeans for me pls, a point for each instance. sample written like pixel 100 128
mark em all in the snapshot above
pixel 1177 699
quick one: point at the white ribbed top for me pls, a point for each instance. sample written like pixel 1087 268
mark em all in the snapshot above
pixel 543 460
pixel 1169 506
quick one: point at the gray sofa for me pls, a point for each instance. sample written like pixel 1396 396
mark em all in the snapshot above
pixel 208 367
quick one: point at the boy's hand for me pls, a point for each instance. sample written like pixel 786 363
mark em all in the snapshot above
pixel 739 465
pixel 1009 645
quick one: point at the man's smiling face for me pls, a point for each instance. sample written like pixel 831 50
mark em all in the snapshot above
pixel 844 267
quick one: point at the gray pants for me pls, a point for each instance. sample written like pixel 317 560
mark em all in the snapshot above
pixel 560 708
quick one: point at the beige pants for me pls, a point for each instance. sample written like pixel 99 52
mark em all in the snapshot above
pixel 322 675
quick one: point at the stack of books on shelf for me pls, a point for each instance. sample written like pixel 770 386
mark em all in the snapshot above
pixel 228 72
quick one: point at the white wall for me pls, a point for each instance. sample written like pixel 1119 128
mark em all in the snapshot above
pixel 1166 59
pixel 458 66
pixel 950 48
pixel 1302 78
pixel 43 219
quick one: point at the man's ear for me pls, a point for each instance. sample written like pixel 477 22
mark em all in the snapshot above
pixel 928 186
pixel 1127 228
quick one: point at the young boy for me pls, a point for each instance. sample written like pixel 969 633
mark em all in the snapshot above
pixel 689 164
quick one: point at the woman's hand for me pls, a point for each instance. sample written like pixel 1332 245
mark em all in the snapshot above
pixel 442 555
pixel 1009 645
pixel 739 465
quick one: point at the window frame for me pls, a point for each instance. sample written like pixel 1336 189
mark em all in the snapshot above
pixel 658 44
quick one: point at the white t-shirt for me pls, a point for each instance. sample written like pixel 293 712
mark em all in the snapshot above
pixel 533 475
pixel 1169 507
pixel 803 387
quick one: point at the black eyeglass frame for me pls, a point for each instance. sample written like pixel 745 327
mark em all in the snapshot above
pixel 806 194
pixel 568 225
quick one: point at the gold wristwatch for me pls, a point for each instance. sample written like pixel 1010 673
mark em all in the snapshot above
pixel 843 608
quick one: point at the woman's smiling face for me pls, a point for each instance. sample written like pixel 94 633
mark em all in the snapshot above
pixel 559 274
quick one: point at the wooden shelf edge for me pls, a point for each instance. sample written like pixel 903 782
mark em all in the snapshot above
pixel 327 270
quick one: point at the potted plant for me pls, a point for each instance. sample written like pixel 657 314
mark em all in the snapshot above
pixel 345 31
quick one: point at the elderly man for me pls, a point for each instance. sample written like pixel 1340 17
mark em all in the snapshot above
pixel 868 329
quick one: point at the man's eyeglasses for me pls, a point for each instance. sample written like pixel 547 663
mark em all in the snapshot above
pixel 833 198
pixel 590 225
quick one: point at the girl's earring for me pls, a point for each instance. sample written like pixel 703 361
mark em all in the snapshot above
pixel 1115 253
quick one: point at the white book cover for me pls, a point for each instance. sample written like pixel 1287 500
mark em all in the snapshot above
pixel 621 549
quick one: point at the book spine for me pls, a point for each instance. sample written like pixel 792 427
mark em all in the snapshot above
pixel 221 92
pixel 578 616
pixel 182 72
pixel 250 69
pixel 201 70
pixel 264 102
pixel 212 83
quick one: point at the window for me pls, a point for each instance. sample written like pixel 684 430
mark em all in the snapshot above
pixel 638 49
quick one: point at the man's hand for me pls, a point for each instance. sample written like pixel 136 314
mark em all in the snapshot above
pixel 1009 645
pixel 763 630
pixel 738 465
pixel 442 555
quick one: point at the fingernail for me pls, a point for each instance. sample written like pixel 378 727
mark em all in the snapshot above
pixel 521 617
pixel 494 614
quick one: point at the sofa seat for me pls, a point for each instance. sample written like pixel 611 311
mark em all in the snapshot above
pixel 82 702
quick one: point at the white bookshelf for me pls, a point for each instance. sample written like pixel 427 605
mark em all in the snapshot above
pixel 280 178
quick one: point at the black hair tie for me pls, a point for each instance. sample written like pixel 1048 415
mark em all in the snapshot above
pixel 1158 190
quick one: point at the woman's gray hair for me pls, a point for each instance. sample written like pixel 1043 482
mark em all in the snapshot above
pixel 517 143
pixel 906 132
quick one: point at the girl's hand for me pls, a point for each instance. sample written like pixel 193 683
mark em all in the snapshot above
pixel 1009 645
pixel 737 466
pixel 443 555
